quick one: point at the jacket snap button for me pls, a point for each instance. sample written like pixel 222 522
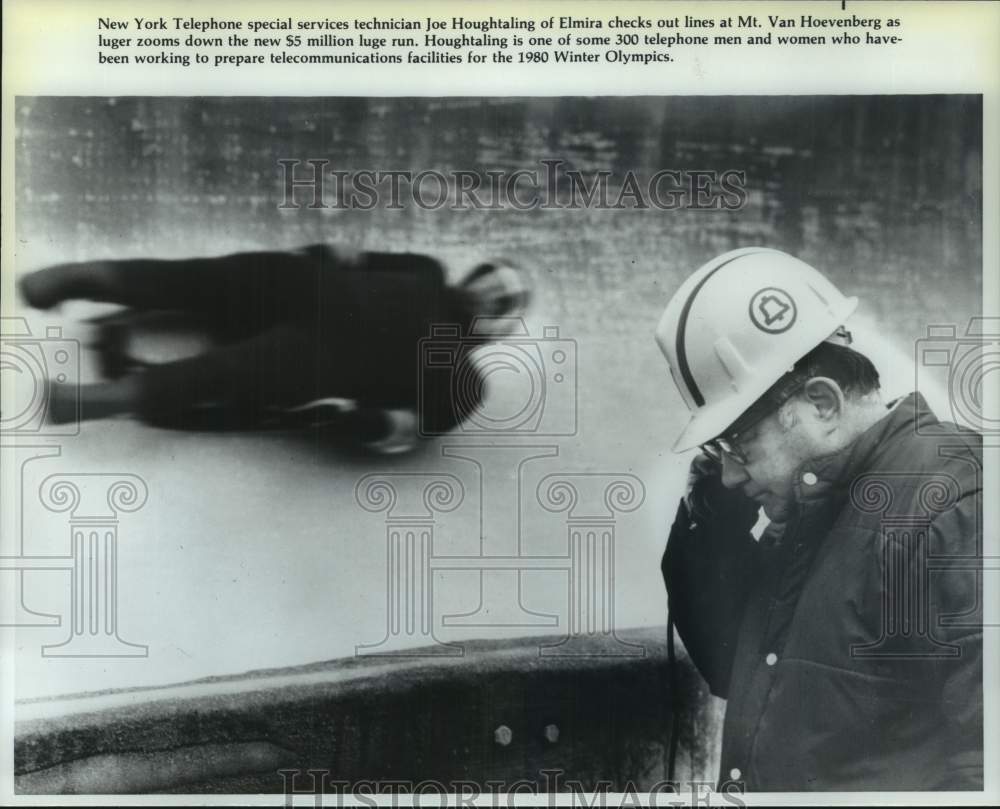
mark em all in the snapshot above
pixel 771 659
pixel 809 479
pixel 734 774
pixel 503 735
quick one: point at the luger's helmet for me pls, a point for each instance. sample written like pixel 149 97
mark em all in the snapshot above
pixel 496 289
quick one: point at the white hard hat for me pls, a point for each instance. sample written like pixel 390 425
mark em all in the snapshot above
pixel 736 326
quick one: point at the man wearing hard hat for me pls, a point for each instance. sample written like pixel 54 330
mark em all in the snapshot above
pixel 847 638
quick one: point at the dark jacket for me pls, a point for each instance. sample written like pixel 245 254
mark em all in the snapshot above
pixel 848 642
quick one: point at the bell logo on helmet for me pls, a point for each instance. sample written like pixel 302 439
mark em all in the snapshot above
pixel 772 310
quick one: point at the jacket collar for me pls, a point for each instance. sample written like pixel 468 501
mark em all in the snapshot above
pixel 827 476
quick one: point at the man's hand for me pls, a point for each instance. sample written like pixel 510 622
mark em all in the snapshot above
pixel 709 567
pixel 709 501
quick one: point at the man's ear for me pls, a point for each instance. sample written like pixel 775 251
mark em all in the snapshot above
pixel 825 395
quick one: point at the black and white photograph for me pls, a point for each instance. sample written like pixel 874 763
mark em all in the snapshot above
pixel 497 445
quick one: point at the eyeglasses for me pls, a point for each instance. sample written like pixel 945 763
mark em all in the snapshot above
pixel 724 445
pixel 727 443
